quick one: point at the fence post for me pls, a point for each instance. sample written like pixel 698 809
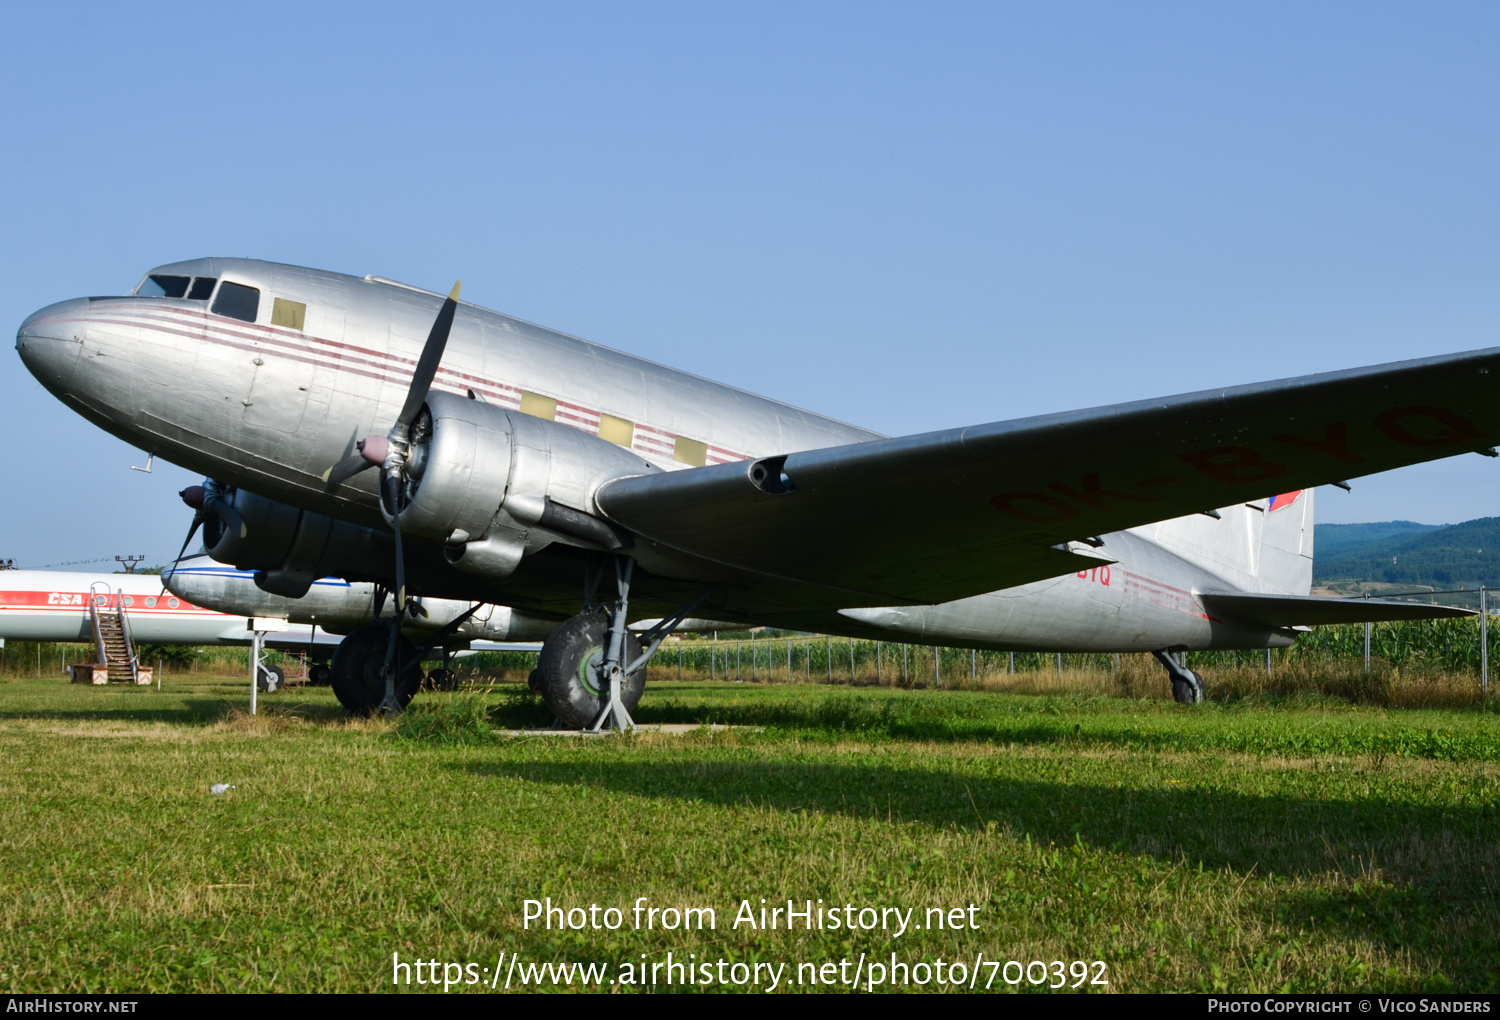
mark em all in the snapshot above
pixel 830 658
pixel 1012 662
pixel 788 660
pixel 1484 642
pixel 877 664
pixel 807 659
pixel 1268 660
pixel 1367 646
pixel 903 665
pixel 713 652
pixel 937 668
pixel 1059 665
pixel 973 664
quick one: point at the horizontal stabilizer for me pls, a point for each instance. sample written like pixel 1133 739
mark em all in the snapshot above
pixel 1311 611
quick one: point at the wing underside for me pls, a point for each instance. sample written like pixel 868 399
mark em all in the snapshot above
pixel 932 518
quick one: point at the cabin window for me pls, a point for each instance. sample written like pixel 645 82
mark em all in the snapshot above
pixel 236 301
pixel 538 405
pixel 202 287
pixel 616 430
pixel 288 313
pixel 690 451
pixel 162 285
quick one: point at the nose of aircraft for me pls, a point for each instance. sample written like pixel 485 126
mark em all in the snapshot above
pixel 50 339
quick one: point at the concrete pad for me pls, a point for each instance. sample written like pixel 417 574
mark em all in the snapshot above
pixel 670 728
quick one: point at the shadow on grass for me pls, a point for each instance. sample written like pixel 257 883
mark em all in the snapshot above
pixel 1448 847
pixel 1424 874
pixel 1028 720
pixel 191 711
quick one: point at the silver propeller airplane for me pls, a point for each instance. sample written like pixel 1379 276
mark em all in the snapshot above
pixel 366 429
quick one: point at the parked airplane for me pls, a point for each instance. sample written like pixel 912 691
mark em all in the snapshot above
pixel 343 607
pixel 207 603
pixel 521 466
pixel 56 605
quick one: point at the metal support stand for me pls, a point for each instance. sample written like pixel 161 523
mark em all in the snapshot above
pixel 257 646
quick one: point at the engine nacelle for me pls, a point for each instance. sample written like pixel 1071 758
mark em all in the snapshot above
pixel 288 548
pixel 493 485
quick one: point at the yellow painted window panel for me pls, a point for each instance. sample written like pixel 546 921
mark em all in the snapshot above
pixel 616 430
pixel 291 314
pixel 539 406
pixel 690 451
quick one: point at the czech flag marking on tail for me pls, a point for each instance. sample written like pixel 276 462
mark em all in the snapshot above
pixel 1284 500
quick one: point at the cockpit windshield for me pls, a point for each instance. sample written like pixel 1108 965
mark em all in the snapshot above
pixel 167 285
pixel 161 285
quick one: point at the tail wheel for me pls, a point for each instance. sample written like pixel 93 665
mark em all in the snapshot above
pixel 565 670
pixel 358 670
pixel 1186 693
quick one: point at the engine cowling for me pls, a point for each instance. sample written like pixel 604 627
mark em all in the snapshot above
pixel 493 485
pixel 289 549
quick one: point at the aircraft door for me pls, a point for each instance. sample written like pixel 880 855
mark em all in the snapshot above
pixel 288 358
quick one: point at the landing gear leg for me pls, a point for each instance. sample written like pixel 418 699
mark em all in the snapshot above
pixel 591 670
pixel 1187 686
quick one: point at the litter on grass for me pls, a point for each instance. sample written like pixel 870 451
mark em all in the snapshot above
pixel 219 788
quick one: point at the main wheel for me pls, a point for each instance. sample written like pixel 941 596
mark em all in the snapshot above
pixel 565 670
pixel 270 678
pixel 358 670
pixel 1186 693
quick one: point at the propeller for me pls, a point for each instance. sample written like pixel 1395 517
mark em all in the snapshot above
pixel 389 453
pixel 205 502
pixel 376 451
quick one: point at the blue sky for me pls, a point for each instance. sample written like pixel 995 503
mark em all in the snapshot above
pixel 907 216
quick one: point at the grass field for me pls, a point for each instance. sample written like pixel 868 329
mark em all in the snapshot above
pixel 1257 844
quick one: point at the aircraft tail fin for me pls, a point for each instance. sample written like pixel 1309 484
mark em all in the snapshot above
pixel 1264 546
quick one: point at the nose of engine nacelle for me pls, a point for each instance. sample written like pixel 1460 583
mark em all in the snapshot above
pixel 49 341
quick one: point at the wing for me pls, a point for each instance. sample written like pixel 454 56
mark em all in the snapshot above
pixel 941 516
pixel 1308 611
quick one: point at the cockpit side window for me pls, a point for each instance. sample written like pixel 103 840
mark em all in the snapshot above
pixel 237 301
pixel 202 287
pixel 162 285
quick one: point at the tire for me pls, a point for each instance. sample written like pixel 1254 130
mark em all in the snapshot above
pixel 270 679
pixel 1185 693
pixel 441 680
pixel 319 675
pixel 563 674
pixel 357 670
pixel 534 681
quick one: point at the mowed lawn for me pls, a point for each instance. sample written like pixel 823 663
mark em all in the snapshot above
pixel 1246 847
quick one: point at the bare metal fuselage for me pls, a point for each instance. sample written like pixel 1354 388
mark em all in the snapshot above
pixel 268 407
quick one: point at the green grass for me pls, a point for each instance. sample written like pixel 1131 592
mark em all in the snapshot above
pixel 1246 845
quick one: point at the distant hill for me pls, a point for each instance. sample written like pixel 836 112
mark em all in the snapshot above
pixel 1331 540
pixel 1459 555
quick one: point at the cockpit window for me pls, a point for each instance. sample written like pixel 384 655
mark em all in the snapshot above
pixel 202 287
pixel 161 285
pixel 237 301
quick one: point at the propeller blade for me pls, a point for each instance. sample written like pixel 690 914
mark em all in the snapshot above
pixel 427 364
pixel 228 514
pixel 346 469
pixel 166 577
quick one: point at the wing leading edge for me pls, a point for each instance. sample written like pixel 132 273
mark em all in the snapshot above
pixel 945 515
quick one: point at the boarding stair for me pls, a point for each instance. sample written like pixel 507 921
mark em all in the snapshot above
pixel 113 643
